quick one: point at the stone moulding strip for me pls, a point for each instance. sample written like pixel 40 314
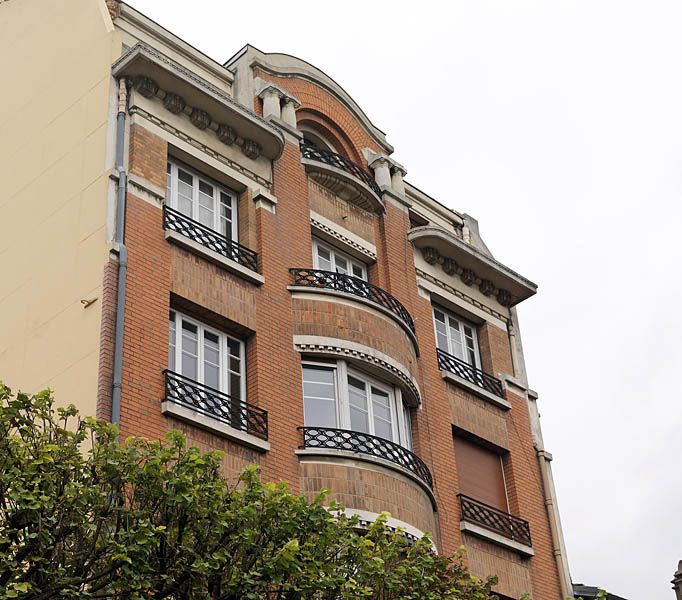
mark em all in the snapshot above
pixel 322 224
pixel 461 295
pixel 136 110
pixel 336 347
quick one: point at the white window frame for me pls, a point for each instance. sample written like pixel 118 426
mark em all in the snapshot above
pixel 451 317
pixel 400 419
pixel 197 177
pixel 334 253
pixel 224 371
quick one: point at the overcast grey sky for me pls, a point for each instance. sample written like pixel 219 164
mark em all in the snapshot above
pixel 558 124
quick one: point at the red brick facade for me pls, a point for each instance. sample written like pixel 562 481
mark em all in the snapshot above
pixel 164 276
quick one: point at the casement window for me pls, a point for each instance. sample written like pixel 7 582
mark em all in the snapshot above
pixel 480 474
pixel 456 336
pixel 205 355
pixel 328 258
pixel 201 199
pixel 338 397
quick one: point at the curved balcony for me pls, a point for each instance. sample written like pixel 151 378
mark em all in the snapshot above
pixel 347 284
pixel 369 445
pixel 349 180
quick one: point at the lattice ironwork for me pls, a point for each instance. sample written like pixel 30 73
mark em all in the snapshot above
pixel 352 285
pixel 340 162
pixel 211 239
pixel 364 443
pixel 216 404
pixel 495 520
pixel 491 384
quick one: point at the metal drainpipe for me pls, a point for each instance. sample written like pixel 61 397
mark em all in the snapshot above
pixel 555 528
pixel 122 252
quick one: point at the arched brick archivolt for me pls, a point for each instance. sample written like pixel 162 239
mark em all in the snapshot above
pixel 315 100
pixel 311 119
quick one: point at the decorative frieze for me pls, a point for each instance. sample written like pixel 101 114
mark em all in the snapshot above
pixel 176 104
pixel 461 295
pixel 136 110
pixel 468 276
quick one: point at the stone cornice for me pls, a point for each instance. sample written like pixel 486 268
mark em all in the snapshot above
pixel 456 257
pixel 154 75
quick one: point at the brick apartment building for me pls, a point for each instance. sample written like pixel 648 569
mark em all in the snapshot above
pixel 231 250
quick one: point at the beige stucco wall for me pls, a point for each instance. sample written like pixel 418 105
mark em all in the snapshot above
pixel 54 132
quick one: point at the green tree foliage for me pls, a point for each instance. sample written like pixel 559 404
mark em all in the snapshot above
pixel 83 515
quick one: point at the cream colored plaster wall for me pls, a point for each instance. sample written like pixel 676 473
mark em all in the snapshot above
pixel 55 127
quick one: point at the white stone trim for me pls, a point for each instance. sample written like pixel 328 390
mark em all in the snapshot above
pixel 353 243
pixel 264 199
pixel 190 145
pixel 477 391
pixel 433 285
pixel 222 261
pixel 371 517
pixel 496 538
pixel 316 344
pixel 193 417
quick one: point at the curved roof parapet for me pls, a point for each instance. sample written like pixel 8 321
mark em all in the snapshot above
pixel 474 267
pixel 285 65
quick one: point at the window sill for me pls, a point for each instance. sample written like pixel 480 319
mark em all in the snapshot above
pixel 214 426
pixel 218 259
pixel 496 538
pixel 476 390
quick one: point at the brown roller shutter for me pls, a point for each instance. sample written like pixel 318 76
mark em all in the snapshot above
pixel 480 473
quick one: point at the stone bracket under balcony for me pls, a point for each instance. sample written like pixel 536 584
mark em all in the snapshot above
pixel 348 180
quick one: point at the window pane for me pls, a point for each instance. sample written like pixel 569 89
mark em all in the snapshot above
pixel 212 360
pixel 171 342
pixel 206 205
pixel 169 183
pixel 357 400
pixel 407 434
pixel 324 259
pixel 190 351
pixel 226 215
pixel 358 271
pixel 441 331
pixel 381 408
pixel 319 410
pixel 341 264
pixel 470 345
pixel 185 183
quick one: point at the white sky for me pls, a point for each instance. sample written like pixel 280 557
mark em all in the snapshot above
pixel 558 125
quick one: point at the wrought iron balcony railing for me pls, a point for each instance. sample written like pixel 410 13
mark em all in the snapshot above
pixel 211 239
pixel 352 285
pixel 495 520
pixel 447 362
pixel 364 443
pixel 216 404
pixel 340 162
